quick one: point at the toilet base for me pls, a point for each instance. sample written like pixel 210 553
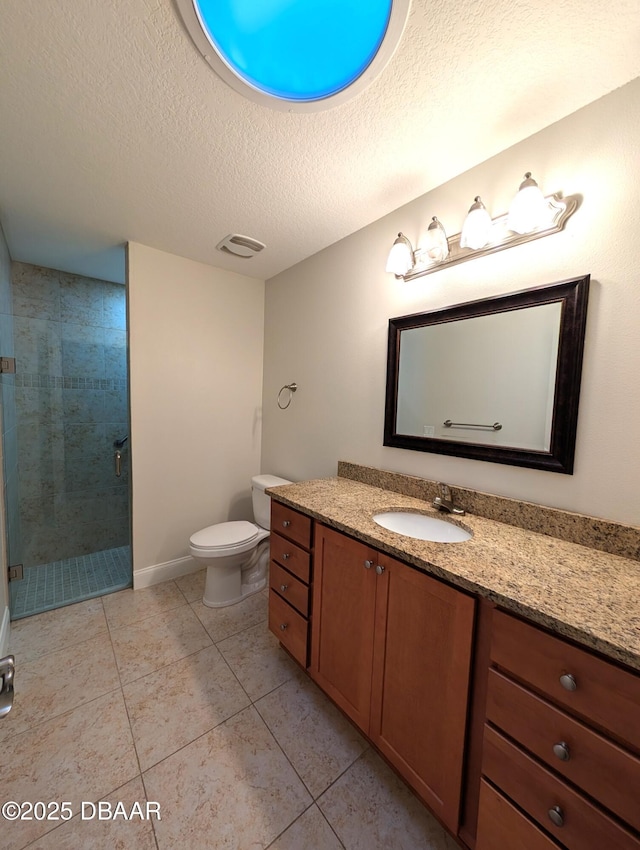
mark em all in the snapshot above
pixel 246 591
pixel 232 579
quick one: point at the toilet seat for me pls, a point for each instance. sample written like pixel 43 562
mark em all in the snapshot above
pixel 226 538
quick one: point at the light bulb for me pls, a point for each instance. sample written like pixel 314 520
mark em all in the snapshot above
pixel 477 226
pixel 400 260
pixel 436 244
pixel 529 209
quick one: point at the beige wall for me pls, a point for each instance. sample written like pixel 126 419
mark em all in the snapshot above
pixel 196 342
pixel 326 319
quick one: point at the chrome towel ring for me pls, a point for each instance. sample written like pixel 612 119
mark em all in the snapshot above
pixel 292 388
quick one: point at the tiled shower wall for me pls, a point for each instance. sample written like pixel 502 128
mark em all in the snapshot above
pixel 8 424
pixel 71 403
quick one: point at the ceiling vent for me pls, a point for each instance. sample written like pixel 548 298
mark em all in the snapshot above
pixel 240 246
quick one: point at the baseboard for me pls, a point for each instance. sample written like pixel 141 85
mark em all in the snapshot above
pixel 148 576
pixel 5 631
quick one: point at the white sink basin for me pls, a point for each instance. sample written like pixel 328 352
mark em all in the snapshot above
pixel 422 527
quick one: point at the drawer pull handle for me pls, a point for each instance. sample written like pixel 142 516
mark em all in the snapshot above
pixel 379 569
pixel 568 682
pixel 286 523
pixel 283 626
pixel 283 588
pixel 368 565
pixel 556 816
pixel 286 556
pixel 561 750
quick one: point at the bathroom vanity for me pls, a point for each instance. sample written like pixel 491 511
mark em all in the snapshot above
pixel 500 677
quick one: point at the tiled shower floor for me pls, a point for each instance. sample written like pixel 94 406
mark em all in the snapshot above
pixel 60 583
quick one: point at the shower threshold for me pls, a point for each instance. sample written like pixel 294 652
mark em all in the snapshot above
pixel 72 580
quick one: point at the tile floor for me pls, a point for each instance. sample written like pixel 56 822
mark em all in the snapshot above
pixel 150 696
pixel 49 586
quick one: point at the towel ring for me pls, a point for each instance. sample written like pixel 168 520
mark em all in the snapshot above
pixel 292 388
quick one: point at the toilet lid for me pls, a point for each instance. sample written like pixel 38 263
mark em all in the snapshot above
pixel 224 534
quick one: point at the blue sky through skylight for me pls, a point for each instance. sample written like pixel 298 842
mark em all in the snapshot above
pixel 296 49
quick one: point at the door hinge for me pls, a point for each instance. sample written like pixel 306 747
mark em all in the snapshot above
pixel 7 365
pixel 15 572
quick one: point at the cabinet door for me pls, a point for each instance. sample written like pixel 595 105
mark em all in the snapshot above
pixel 343 617
pixel 423 636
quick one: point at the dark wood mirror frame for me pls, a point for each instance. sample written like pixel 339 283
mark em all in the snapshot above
pixel 573 296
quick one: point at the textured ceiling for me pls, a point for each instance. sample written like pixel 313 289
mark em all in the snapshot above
pixel 113 127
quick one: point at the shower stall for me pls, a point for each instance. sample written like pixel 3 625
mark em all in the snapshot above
pixel 65 430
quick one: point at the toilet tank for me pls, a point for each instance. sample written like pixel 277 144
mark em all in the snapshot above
pixel 262 502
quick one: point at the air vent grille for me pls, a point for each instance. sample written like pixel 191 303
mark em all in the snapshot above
pixel 240 246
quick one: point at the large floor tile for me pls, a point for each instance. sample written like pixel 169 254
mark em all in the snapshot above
pixel 55 683
pixel 175 705
pixel 192 585
pixel 224 622
pixel 116 834
pixel 232 789
pixel 157 641
pixel 58 629
pixel 257 659
pixel 310 832
pixel 317 739
pixel 81 755
pixel 371 809
pixel 132 606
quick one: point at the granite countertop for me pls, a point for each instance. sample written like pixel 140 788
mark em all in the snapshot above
pixel 585 594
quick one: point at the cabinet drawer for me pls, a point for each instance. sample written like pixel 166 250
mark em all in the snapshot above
pixel 290 588
pixel 538 791
pixel 597 765
pixel 290 556
pixel 294 525
pixel 604 694
pixel 289 627
pixel 501 825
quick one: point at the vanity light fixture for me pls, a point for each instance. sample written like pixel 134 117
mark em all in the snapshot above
pixel 532 215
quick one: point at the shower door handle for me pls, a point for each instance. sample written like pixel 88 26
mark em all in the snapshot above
pixel 7 669
pixel 117 456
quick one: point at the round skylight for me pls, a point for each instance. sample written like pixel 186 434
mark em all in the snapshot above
pixel 296 54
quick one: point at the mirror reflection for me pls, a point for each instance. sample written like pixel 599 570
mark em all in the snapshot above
pixel 496 379
pixel 517 350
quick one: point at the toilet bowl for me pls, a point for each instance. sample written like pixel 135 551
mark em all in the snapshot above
pixel 236 554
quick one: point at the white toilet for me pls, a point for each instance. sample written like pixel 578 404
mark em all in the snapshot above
pixel 236 554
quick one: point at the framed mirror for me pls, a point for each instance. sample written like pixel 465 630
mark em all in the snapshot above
pixel 495 380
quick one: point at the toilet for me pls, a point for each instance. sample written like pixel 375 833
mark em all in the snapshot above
pixel 236 554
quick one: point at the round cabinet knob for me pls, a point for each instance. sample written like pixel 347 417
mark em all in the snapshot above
pixel 561 750
pixel 286 556
pixel 286 523
pixel 379 569
pixel 568 682
pixel 556 816
pixel 368 565
pixel 283 588
pixel 283 626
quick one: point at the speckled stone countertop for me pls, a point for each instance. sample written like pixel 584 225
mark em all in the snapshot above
pixel 588 595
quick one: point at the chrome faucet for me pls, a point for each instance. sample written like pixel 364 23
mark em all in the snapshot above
pixel 444 502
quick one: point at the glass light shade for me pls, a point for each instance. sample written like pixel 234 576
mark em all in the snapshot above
pixel 400 260
pixel 529 209
pixel 477 227
pixel 300 51
pixel 436 244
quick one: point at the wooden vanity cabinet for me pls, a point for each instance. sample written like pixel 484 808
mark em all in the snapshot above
pixel 290 574
pixel 391 646
pixel 561 741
